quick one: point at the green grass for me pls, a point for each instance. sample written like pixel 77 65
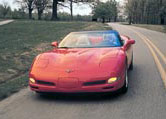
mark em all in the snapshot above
pixel 13 86
pixel 160 28
pixel 21 41
pixel 2 19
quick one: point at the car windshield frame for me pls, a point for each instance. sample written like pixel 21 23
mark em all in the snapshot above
pixel 102 34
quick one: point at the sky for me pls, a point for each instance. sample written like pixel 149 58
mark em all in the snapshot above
pixel 80 9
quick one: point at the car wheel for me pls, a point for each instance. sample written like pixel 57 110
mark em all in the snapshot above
pixel 124 89
pixel 132 64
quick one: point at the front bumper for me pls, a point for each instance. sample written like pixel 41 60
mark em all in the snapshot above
pixel 95 88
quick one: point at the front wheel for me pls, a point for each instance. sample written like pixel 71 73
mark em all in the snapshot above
pixel 131 65
pixel 124 89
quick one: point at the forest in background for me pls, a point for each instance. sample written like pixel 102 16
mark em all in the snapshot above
pixel 48 10
pixel 146 11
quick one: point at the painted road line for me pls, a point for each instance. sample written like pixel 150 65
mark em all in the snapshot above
pixel 155 47
pixel 158 51
pixel 157 61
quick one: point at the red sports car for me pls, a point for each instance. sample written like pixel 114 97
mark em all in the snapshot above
pixel 91 61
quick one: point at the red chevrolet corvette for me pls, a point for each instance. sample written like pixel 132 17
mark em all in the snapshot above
pixel 91 61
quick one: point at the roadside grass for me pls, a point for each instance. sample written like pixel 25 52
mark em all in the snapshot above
pixel 21 41
pixel 13 86
pixel 2 19
pixel 160 28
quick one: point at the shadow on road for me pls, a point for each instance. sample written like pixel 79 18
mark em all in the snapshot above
pixel 81 97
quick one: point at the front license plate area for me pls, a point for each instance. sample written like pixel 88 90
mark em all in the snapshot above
pixel 68 83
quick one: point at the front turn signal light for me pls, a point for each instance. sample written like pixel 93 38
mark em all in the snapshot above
pixel 32 80
pixel 111 80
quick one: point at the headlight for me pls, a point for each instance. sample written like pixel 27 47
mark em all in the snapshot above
pixel 32 80
pixel 112 80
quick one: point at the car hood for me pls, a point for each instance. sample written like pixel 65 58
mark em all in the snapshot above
pixel 87 61
pixel 79 58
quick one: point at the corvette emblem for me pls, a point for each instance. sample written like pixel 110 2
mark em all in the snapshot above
pixel 69 71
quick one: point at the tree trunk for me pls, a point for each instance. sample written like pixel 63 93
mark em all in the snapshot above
pixel 148 16
pixel 109 19
pixel 54 10
pixel 130 20
pixel 71 9
pixel 115 18
pixel 39 15
pixel 103 20
pixel 162 20
pixel 30 13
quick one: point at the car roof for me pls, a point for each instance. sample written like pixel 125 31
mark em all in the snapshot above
pixel 102 31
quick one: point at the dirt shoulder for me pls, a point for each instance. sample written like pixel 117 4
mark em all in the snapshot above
pixel 160 28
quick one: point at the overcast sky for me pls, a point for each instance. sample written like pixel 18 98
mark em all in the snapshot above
pixel 81 9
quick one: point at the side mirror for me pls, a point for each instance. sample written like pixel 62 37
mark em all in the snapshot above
pixel 128 44
pixel 54 44
pixel 131 41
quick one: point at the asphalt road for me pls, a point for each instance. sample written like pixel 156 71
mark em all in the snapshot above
pixel 146 97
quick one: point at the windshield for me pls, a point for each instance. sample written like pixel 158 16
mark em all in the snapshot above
pixel 91 40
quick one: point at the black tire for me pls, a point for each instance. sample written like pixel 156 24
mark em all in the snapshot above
pixel 124 89
pixel 132 64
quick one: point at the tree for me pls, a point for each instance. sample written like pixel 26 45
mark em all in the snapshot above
pixel 162 11
pixel 29 4
pixel 130 9
pixel 41 5
pixel 19 14
pixel 4 9
pixel 146 11
pixel 55 9
pixel 71 2
pixel 106 10
pixel 77 1
pixel 71 8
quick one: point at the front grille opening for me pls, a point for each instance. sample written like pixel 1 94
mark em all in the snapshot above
pixel 45 83
pixel 35 87
pixel 110 87
pixel 95 83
